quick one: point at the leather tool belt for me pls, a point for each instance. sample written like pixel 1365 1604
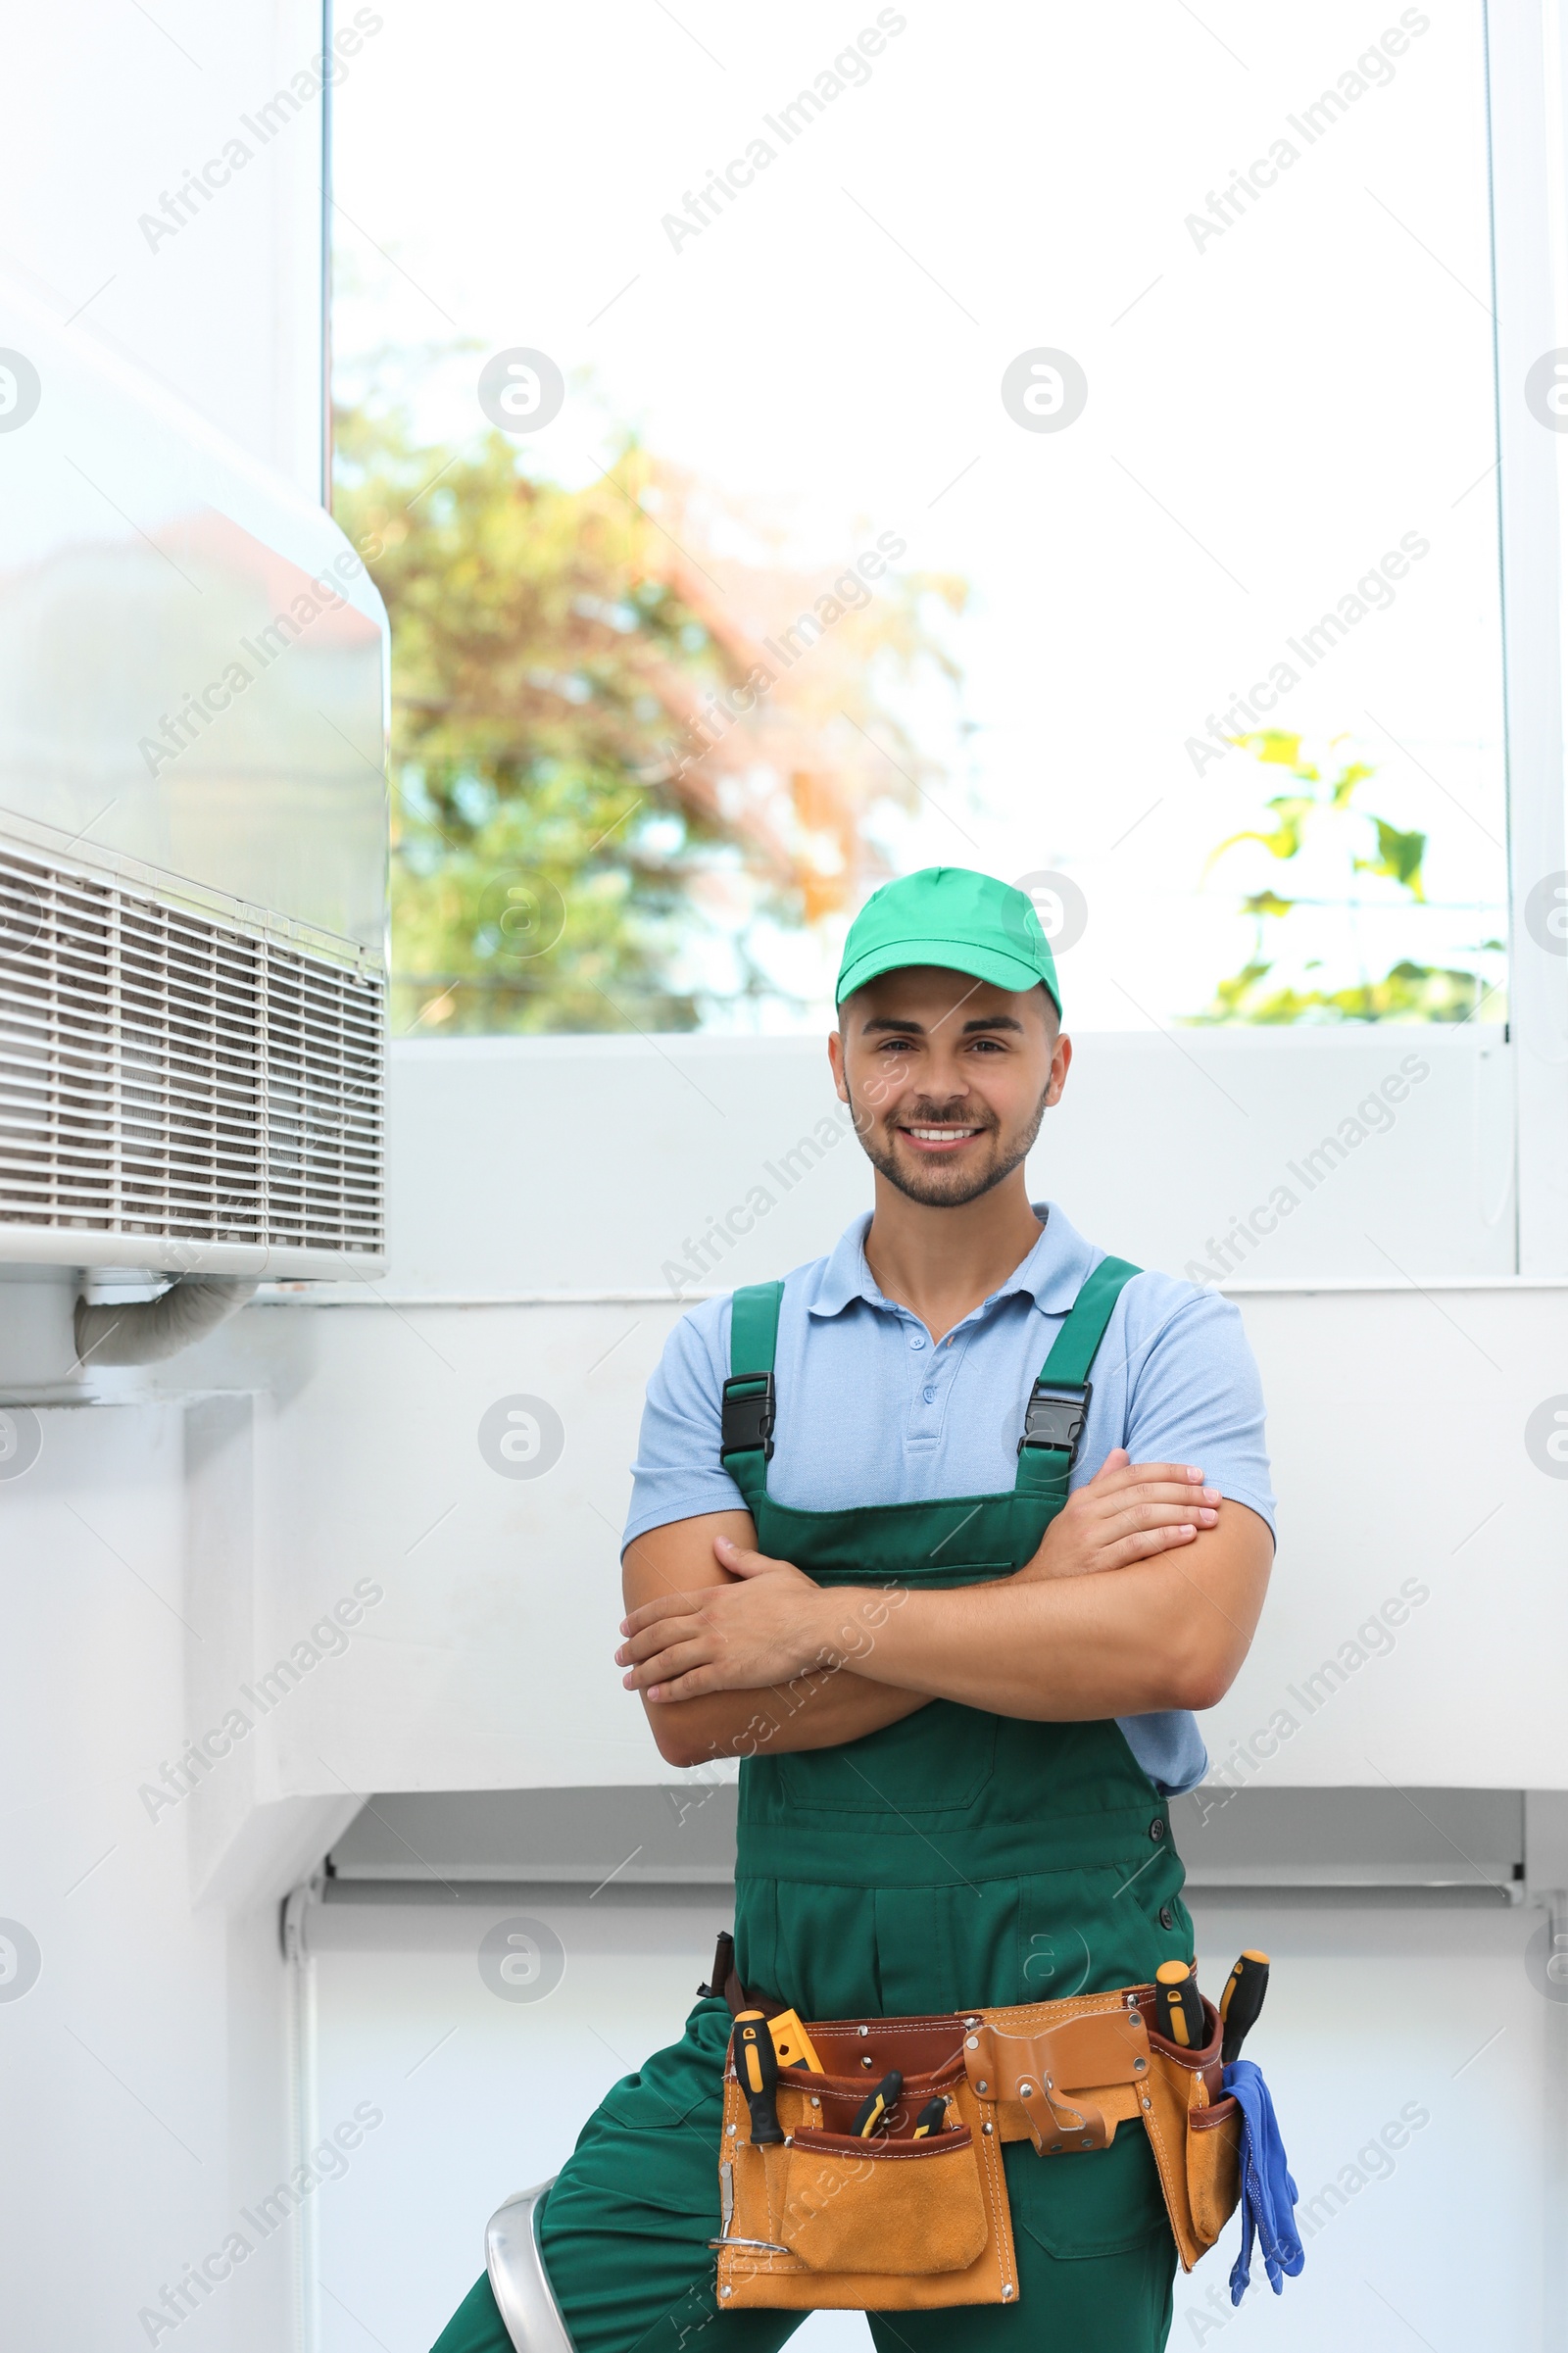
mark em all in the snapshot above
pixel 902 2223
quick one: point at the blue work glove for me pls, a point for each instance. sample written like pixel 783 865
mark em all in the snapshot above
pixel 1268 2195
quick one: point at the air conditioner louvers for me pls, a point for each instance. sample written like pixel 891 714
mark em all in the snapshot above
pixel 180 1073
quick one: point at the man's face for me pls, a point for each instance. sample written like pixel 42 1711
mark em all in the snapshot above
pixel 948 1078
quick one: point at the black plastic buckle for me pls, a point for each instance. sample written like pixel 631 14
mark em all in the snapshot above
pixel 747 1414
pixel 723 1967
pixel 1054 1418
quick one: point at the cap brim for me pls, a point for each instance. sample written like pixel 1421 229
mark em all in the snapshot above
pixel 980 963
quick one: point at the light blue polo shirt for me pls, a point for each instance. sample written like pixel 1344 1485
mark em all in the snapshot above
pixel 870 1412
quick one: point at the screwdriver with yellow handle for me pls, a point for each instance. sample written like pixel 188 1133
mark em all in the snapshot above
pixel 1178 2010
pixel 757 2066
pixel 1241 2001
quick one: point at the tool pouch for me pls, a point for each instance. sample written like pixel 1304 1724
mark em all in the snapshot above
pixel 900 2206
pixel 1213 2171
pixel 1195 2131
pixel 895 2223
pixel 1067 2074
pixel 887 2224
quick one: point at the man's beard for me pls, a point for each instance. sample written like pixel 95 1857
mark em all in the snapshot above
pixel 937 1184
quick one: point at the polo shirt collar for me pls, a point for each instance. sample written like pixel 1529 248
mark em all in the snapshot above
pixel 1051 1275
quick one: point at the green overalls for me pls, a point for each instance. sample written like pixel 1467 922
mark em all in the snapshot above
pixel 954 1860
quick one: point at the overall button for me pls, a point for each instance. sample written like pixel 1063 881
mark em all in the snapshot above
pixel 1167 1918
pixel 1157 1829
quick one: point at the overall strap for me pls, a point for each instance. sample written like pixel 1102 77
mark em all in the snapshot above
pixel 749 1408
pixel 1059 1402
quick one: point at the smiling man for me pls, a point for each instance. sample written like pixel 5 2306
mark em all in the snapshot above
pixel 944 1536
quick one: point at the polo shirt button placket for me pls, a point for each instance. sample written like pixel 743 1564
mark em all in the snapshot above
pixel 925 1411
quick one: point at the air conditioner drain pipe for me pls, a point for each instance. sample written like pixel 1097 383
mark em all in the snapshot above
pixel 147 1330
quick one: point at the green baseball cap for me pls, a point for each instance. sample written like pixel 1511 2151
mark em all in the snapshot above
pixel 946 915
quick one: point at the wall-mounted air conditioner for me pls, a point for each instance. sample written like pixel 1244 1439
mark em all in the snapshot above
pixel 193 840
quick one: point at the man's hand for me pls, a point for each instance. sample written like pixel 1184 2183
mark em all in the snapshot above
pixel 821 1709
pixel 1168 1630
pixel 1127 1513
pixel 744 1637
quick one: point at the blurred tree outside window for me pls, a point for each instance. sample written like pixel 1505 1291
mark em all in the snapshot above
pixel 634 755
pixel 636 758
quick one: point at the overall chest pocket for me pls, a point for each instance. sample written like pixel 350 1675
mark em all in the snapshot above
pixel 937 1761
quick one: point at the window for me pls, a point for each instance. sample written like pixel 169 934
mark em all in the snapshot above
pixel 1062 444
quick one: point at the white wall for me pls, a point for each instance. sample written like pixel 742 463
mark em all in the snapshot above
pixel 552 1165
pixel 142 2071
pixel 1398 1407
pixel 146 2069
pixel 252 1485
pixel 1397 1404
pixel 1396 1432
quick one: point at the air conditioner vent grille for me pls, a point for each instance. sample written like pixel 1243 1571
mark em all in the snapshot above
pixel 176 1077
